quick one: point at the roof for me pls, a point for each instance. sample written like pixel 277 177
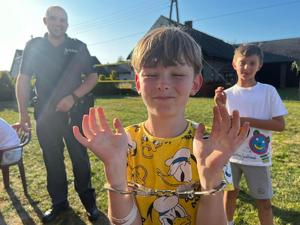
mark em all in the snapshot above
pixel 95 61
pixel 211 46
pixel 287 47
pixel 274 58
pixel 270 57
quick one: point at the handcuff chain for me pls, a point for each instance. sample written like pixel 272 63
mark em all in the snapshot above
pixel 137 189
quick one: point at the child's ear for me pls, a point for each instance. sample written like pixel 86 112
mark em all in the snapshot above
pixel 233 64
pixel 137 83
pixel 197 83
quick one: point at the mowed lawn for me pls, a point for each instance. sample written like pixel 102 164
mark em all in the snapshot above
pixel 15 208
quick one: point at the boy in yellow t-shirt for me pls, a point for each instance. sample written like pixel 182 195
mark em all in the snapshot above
pixel 166 153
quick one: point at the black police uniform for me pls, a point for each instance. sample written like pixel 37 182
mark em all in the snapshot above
pixel 58 71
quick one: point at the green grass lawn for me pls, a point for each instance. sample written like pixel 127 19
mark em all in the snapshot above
pixel 15 208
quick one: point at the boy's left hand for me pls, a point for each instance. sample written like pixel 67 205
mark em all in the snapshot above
pixel 213 153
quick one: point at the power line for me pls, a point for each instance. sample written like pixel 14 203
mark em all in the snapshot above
pixel 118 38
pixel 206 18
pixel 99 26
pixel 246 10
pixel 116 16
pixel 112 14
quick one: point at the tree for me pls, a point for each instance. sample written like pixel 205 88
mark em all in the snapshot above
pixel 101 77
pixel 120 59
pixel 296 67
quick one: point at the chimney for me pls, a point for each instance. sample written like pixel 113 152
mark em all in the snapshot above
pixel 188 24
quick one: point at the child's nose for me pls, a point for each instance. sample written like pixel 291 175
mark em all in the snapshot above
pixel 163 82
pixel 246 66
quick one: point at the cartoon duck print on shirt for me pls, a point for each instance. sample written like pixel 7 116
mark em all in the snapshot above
pixel 179 165
pixel 259 144
pixel 169 211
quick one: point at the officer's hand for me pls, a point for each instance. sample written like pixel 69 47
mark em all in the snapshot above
pixel 25 123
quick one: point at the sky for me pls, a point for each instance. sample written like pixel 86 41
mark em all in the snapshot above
pixel 111 28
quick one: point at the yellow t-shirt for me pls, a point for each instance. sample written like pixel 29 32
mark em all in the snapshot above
pixel 163 163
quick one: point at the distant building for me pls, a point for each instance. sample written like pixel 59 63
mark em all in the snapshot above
pixel 279 55
pixel 15 66
pixel 123 69
pixel 216 53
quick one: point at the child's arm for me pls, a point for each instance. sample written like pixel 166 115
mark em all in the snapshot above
pixel 111 148
pixel 212 154
pixel 274 124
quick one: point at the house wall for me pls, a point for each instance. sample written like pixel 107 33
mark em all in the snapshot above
pixel 217 63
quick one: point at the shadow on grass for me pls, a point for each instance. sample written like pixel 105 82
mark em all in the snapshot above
pixel 286 216
pixel 71 217
pixel 2 221
pixel 24 216
pixel 67 217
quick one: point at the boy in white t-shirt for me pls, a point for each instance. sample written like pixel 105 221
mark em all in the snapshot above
pixel 8 138
pixel 261 106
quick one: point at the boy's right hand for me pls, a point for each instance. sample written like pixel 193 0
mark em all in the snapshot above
pixel 110 147
pixel 220 96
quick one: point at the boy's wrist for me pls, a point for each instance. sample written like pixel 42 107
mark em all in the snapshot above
pixel 211 182
pixel 116 175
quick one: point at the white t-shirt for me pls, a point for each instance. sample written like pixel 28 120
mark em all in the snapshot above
pixel 8 138
pixel 260 102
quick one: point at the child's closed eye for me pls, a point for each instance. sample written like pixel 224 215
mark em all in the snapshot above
pixel 178 76
pixel 150 75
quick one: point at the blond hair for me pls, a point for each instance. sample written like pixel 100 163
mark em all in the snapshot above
pixel 167 46
pixel 249 50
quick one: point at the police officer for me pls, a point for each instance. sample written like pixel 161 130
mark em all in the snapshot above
pixel 59 64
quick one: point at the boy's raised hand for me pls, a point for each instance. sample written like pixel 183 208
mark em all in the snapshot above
pixel 213 153
pixel 220 96
pixel 109 146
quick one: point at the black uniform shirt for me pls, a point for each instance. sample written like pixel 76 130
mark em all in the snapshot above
pixel 58 69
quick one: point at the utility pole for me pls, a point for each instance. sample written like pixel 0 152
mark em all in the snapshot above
pixel 171 9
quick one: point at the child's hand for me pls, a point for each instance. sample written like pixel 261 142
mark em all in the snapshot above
pixel 220 96
pixel 213 153
pixel 110 147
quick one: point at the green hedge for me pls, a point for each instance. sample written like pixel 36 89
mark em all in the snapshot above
pixel 109 88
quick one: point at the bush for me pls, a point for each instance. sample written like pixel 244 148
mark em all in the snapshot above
pixel 101 77
pixel 7 90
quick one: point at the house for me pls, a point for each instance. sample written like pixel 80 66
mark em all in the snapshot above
pixel 279 56
pixel 123 69
pixel 217 57
pixel 217 54
pixel 277 71
pixel 15 66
